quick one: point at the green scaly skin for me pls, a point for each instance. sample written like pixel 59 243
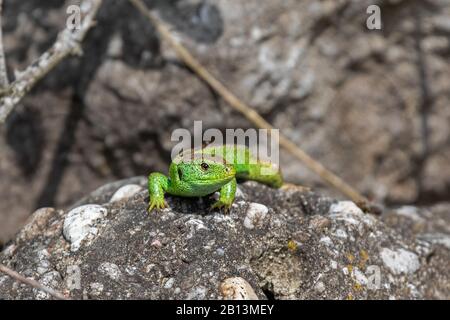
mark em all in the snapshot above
pixel 205 171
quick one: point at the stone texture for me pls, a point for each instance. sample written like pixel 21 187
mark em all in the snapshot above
pixel 356 100
pixel 310 247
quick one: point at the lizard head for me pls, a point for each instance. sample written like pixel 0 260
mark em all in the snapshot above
pixel 205 171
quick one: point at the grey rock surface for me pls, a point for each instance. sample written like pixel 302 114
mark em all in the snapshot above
pixel 282 244
pixel 371 105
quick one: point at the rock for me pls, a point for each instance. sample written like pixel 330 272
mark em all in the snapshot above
pixel 302 246
pixel 96 288
pixel 126 192
pixel 237 289
pixel 436 238
pixel 310 68
pixel 319 287
pixel 169 283
pixel 400 261
pixel 346 208
pixel 255 216
pixel 319 223
pixel 111 270
pixel 81 223
pixel 442 23
pixel 36 224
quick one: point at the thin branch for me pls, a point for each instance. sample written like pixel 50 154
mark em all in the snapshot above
pixel 33 283
pixel 67 43
pixel 4 82
pixel 247 111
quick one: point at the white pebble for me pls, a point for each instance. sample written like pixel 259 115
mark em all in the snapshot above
pixel 197 293
pixel 348 208
pixel 341 234
pixel 400 261
pixel 237 288
pixel 256 214
pixel 156 243
pixel 80 223
pixel 359 276
pixel 96 288
pixel 437 238
pixel 319 287
pixel 169 283
pixel 410 212
pixel 350 213
pixel 125 192
pixel 327 241
pixel 110 269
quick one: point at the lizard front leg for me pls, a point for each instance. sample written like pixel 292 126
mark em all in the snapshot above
pixel 157 186
pixel 227 194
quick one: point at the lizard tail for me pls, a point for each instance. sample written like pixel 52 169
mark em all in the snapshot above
pixel 266 173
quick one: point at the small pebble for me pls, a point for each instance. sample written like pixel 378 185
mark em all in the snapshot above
pixel 110 269
pixel 319 287
pixel 256 215
pixel 237 288
pixel 80 222
pixel 125 192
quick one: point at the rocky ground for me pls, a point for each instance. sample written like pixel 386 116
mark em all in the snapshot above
pixel 275 244
pixel 370 105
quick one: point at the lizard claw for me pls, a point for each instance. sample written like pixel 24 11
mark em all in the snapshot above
pixel 222 206
pixel 157 204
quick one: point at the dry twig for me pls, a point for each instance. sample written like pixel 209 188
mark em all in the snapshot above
pixel 247 111
pixel 3 74
pixel 67 43
pixel 33 283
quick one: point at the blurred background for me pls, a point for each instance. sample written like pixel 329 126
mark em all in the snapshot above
pixel 371 105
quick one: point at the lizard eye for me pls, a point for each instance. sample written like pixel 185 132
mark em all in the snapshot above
pixel 180 174
pixel 204 166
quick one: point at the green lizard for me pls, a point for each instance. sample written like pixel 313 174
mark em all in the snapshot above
pixel 201 172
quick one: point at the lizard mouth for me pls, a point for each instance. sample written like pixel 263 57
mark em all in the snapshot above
pixel 209 181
